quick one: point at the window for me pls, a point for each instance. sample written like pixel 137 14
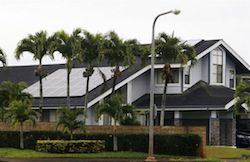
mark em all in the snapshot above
pixel 217 66
pixel 187 79
pixel 174 79
pixel 231 79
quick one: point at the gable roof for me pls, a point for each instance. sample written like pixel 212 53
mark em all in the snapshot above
pixel 26 73
pixel 199 96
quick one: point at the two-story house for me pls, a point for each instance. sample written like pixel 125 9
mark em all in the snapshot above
pixel 200 95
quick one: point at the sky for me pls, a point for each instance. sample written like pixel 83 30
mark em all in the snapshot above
pixel 199 19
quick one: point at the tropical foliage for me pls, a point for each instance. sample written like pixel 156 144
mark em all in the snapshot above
pixel 69 120
pixel 68 45
pixel 113 107
pixel 242 95
pixel 16 105
pixel 90 49
pixel 20 112
pixel 118 53
pixel 39 45
pixel 171 50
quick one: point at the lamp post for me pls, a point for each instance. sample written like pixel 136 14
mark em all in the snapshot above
pixel 151 157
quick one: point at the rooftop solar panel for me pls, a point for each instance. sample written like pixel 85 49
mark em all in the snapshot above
pixel 55 84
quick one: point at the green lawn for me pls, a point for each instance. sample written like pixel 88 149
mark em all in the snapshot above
pixel 225 152
pixel 212 153
pixel 16 153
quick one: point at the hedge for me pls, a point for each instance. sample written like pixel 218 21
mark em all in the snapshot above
pixel 172 144
pixel 70 146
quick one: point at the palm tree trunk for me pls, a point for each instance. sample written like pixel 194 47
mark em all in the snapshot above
pixel 115 145
pixel 114 80
pixel 163 103
pixel 40 90
pixel 68 88
pixel 21 136
pixel 86 100
pixel 71 135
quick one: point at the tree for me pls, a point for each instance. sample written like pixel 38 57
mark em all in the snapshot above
pixel 68 119
pixel 112 107
pixel 128 115
pixel 90 49
pixel 2 57
pixel 10 91
pixel 118 53
pixel 39 45
pixel 123 114
pixel 69 47
pixel 20 112
pixel 242 95
pixel 170 49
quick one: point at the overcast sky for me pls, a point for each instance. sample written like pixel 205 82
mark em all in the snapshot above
pixel 199 19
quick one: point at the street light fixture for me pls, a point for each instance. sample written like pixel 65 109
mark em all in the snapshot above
pixel 151 157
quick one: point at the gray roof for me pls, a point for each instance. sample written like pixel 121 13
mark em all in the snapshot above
pixel 200 95
pixel 26 74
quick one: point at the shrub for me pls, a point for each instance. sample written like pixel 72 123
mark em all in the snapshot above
pixel 172 144
pixel 72 146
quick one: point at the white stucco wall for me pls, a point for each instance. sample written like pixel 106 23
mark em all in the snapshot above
pixel 139 86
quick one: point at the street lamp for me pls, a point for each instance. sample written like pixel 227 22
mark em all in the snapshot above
pixel 151 157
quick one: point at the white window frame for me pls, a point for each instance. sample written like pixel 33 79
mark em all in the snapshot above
pixel 223 67
pixel 169 84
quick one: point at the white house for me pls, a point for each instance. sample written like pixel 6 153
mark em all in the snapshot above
pixel 203 97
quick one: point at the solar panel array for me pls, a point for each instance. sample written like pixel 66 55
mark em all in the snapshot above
pixel 55 84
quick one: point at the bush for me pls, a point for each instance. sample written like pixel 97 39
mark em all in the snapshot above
pixel 72 146
pixel 174 144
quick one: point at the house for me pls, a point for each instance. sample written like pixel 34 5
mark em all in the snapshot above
pixel 200 95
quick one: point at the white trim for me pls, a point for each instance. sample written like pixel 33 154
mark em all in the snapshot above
pixel 223 67
pixel 119 85
pixel 230 104
pixel 244 105
pixel 235 54
pixel 233 101
pixel 208 50
pixel 187 109
pixel 160 66
pixel 222 42
pixel 129 92
pixel 213 114
pixel 177 115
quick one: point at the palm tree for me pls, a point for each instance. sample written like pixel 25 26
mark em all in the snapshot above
pixel 112 107
pixel 90 49
pixel 20 112
pixel 68 119
pixel 138 50
pixel 242 95
pixel 128 115
pixel 9 92
pixel 123 114
pixel 39 45
pixel 118 53
pixel 170 49
pixel 2 57
pixel 69 47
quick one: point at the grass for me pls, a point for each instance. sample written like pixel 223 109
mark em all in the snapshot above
pixel 213 154
pixel 17 153
pixel 225 152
